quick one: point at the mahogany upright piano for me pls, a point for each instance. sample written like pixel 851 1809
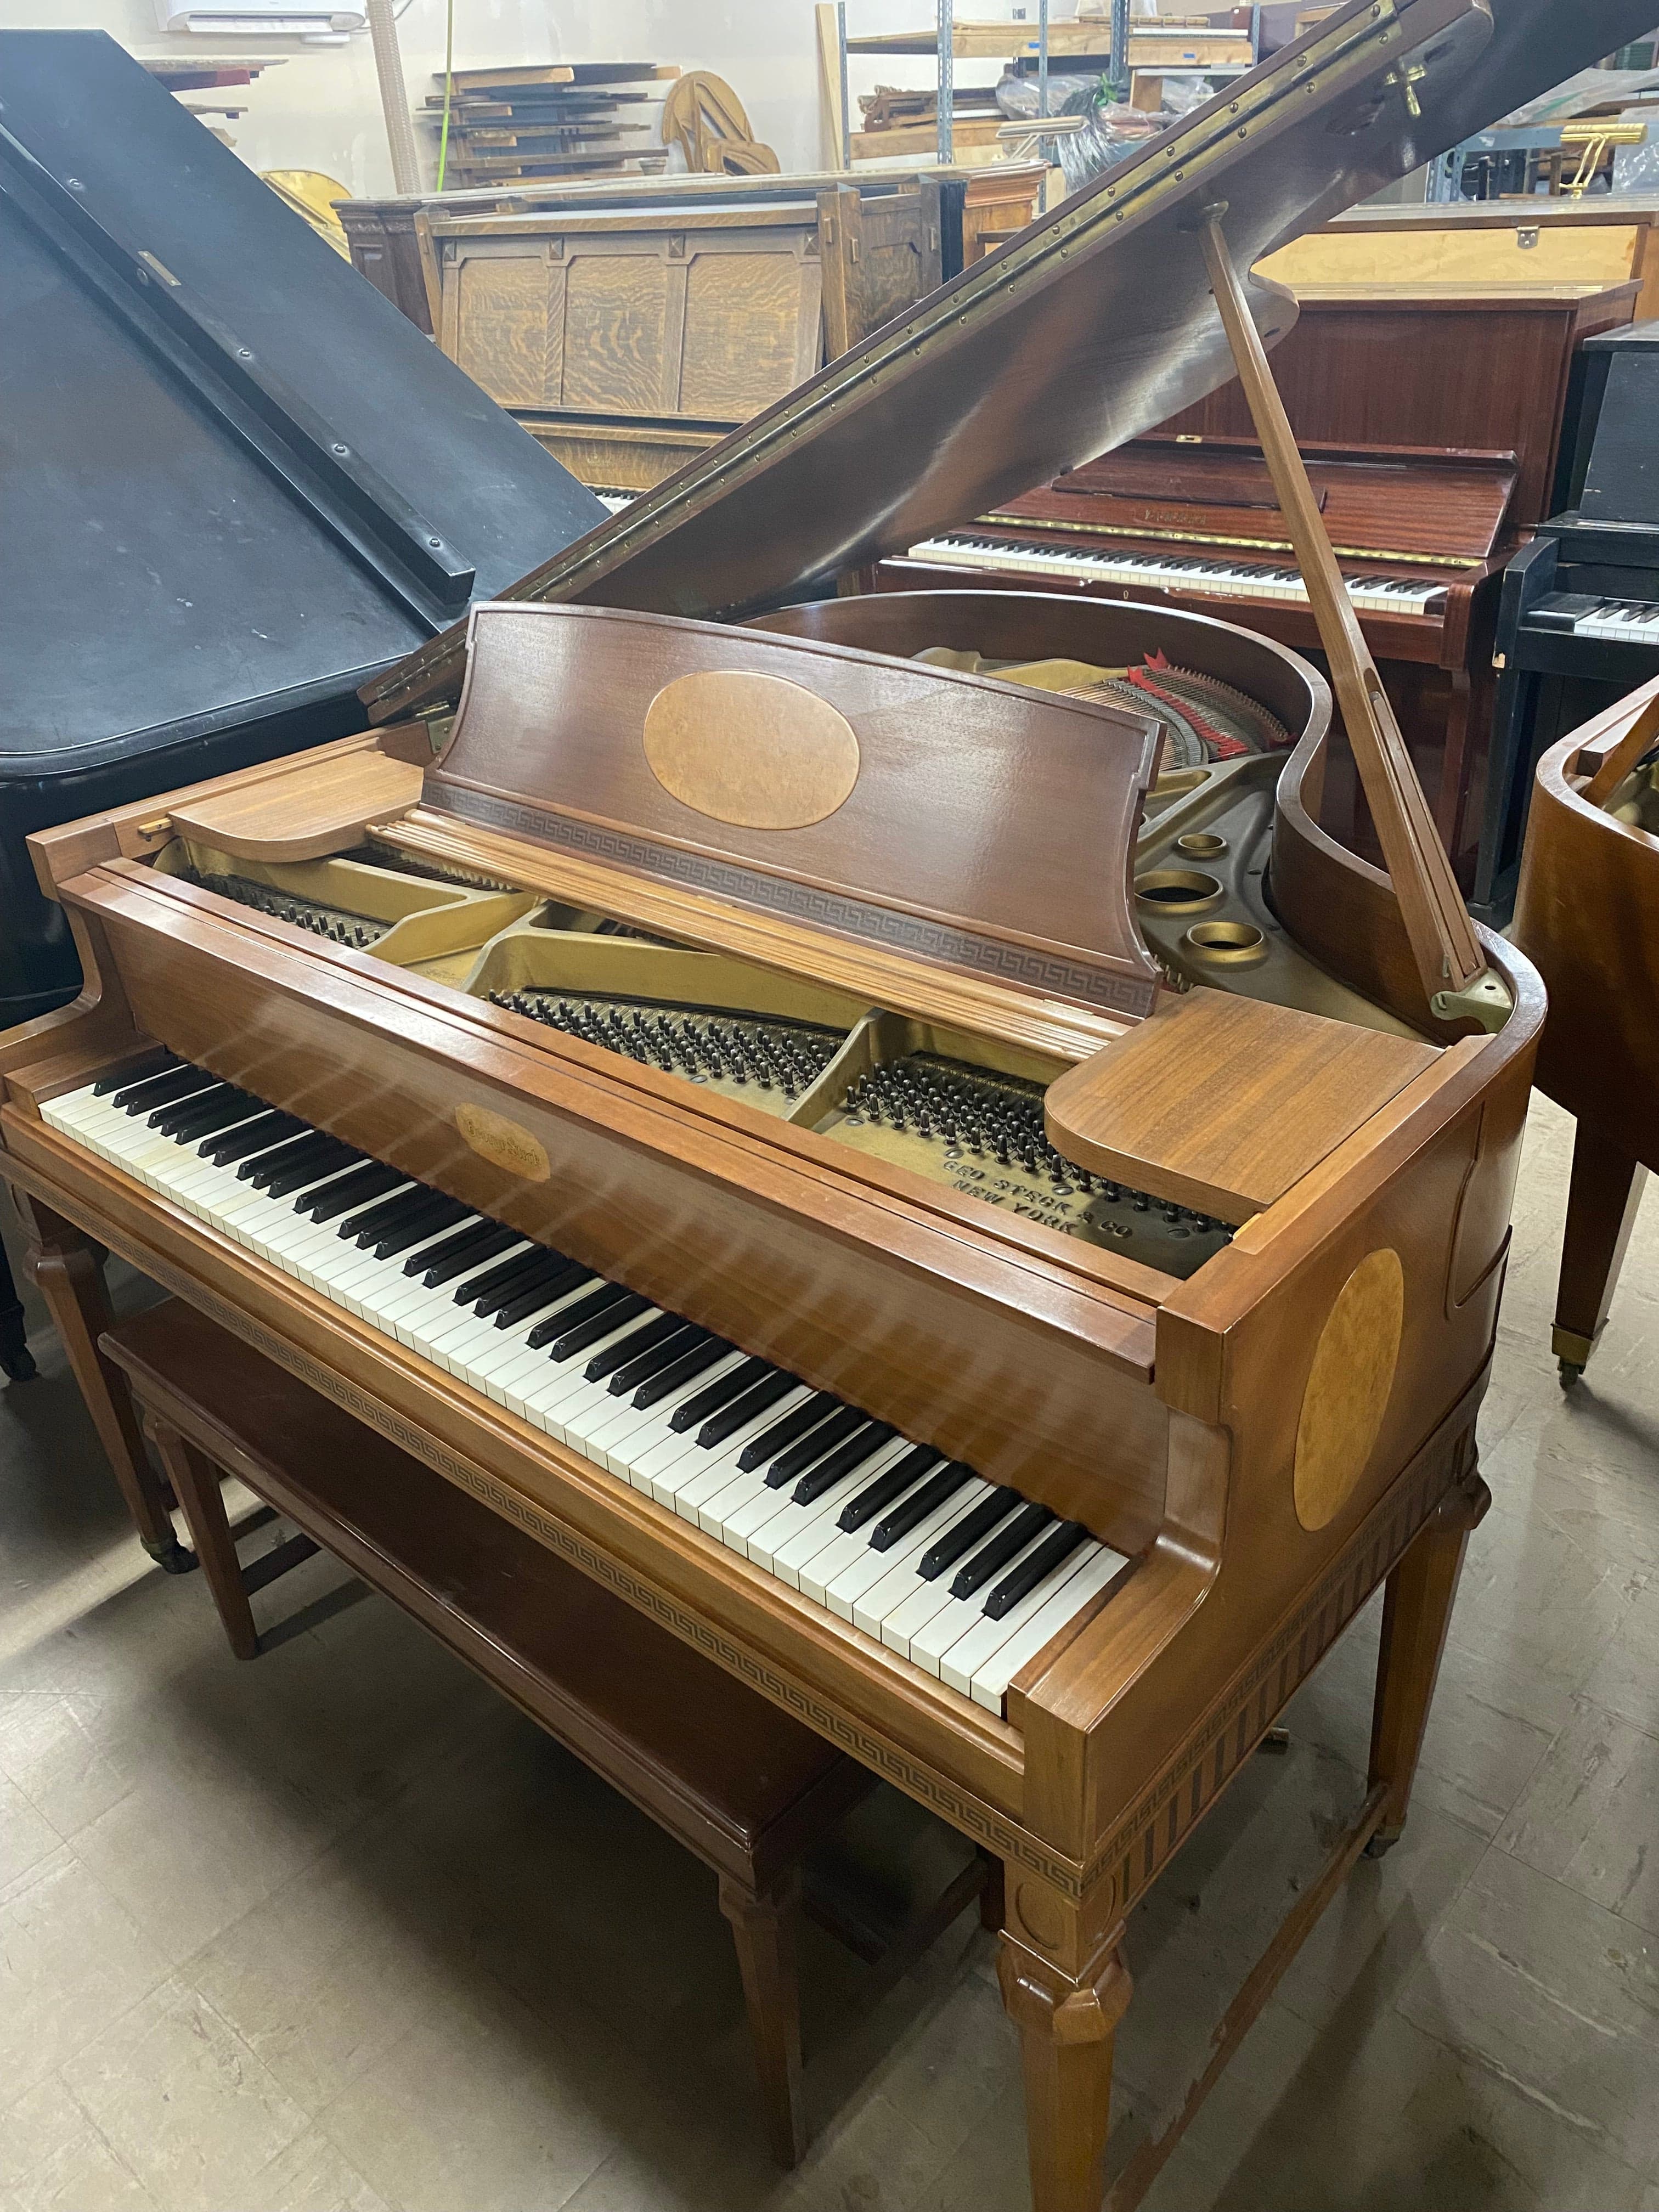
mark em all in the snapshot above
pixel 934 1232
pixel 1430 416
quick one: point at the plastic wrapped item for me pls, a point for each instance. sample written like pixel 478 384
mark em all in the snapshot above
pixel 1636 169
pixel 1114 130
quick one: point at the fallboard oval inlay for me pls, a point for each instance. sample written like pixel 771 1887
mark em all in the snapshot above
pixel 758 751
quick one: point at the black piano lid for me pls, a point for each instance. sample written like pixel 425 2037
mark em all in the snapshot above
pixel 1092 326
pixel 184 550
pixel 1615 469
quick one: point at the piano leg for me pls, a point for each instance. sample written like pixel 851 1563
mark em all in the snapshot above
pixel 763 1927
pixel 65 1271
pixel 1066 2026
pixel 1601 1203
pixel 1416 1613
pixel 14 1357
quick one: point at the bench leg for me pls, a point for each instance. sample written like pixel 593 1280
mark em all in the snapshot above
pixel 764 1929
pixel 70 1281
pixel 196 1484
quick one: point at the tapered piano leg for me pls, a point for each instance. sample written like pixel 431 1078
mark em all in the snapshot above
pixel 764 1929
pixel 68 1276
pixel 1066 2028
pixel 1416 1614
pixel 1601 1203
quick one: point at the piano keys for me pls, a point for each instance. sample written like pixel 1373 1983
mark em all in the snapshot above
pixel 1422 535
pixel 1326 1089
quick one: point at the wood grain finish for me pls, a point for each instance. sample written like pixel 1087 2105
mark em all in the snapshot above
pixel 303 818
pixel 1408 368
pixel 1023 794
pixel 1348 1387
pixel 701 311
pixel 1222 1104
pixel 1165 1414
pixel 759 752
pixel 1587 913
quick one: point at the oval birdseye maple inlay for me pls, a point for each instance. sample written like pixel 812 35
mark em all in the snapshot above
pixel 758 751
pixel 504 1144
pixel 1348 1387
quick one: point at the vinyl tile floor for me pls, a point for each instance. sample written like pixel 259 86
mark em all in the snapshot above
pixel 340 1931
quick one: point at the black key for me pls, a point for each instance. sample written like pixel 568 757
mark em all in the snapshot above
pixel 578 1338
pixel 366 1223
pixel 148 1090
pixel 306 1175
pixel 991 1558
pixel 618 1357
pixel 753 1402
pixel 470 1245
pixel 192 1120
pixel 546 1291
pixel 497 1277
pixel 260 1170
pixel 784 1431
pixel 443 1215
pixel 247 1138
pixel 854 1453
pixel 720 1392
pixel 166 1118
pixel 667 1352
pixel 165 1066
pixel 1053 1551
pixel 845 1421
pixel 349 1190
pixel 681 1368
pixel 915 1509
pixel 962 1535
pixel 520 1277
pixel 886 1487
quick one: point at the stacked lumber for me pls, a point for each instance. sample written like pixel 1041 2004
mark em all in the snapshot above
pixel 558 120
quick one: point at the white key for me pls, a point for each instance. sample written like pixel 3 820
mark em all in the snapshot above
pixel 787 1551
pixel 931 1641
pixel 989 1687
pixel 693 1478
pixel 869 1599
pixel 980 1645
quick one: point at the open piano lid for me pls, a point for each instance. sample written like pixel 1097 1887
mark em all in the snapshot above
pixel 1094 326
pixel 237 480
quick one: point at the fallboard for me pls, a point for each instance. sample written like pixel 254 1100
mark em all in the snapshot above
pixel 1414 503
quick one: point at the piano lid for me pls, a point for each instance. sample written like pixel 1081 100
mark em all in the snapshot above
pixel 784 776
pixel 237 482
pixel 1093 326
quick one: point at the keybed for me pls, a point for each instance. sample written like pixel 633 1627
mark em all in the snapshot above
pixel 966 1579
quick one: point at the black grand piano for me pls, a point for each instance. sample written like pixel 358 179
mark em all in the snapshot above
pixel 238 484
pixel 1578 616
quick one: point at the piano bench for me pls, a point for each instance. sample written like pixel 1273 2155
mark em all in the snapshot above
pixel 741 1784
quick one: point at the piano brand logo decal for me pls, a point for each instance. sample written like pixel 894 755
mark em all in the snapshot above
pixel 502 1143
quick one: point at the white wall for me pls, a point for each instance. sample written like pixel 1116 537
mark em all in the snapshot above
pixel 321 110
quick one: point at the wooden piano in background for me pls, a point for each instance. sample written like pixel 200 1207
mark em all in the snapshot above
pixel 1588 913
pixel 755 1012
pixel 1431 415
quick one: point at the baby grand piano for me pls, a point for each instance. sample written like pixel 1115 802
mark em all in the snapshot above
pixel 881 1259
